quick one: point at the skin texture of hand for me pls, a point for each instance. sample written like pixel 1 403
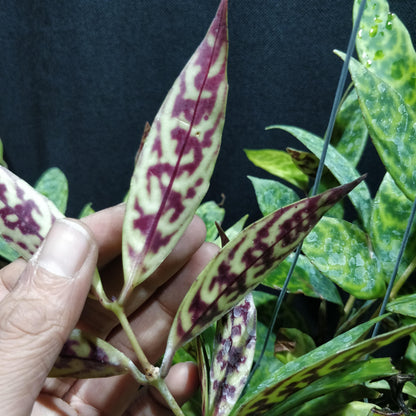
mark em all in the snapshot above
pixel 43 300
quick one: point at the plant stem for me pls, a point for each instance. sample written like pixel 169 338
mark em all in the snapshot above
pixel 160 385
pixel 403 278
pixel 148 369
pixel 349 305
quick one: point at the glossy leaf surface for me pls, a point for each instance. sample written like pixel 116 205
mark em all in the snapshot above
pixel 391 212
pixel 280 164
pixel 272 195
pixel 233 356
pixel 404 305
pixel 25 215
pixel 352 374
pixel 341 252
pixel 384 46
pixel 86 356
pixel 324 360
pixel 176 161
pixel 391 124
pixel 54 185
pixel 243 263
pixel 350 132
pixel 340 168
pixel 306 279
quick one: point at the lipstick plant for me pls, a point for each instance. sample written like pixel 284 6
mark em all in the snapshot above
pixel 217 324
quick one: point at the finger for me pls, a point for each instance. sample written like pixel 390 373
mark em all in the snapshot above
pixel 9 275
pixel 151 323
pixel 37 316
pixel 182 382
pixel 107 226
pixel 101 322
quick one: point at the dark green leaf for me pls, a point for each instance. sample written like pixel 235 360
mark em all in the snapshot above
pixel 391 124
pixel 391 212
pixel 350 132
pixel 341 252
pixel 297 375
pixel 384 46
pixel 306 279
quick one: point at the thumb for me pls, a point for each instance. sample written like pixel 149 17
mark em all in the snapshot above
pixel 39 313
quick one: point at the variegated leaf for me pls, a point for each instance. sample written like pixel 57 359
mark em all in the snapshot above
pixel 391 124
pixel 86 356
pixel 384 46
pixel 307 162
pixel 177 159
pixel 244 262
pixel 25 215
pixel 298 374
pixel 339 166
pixel 233 356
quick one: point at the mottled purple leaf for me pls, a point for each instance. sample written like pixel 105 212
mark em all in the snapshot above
pixel 233 356
pixel 244 262
pixel 25 215
pixel 86 356
pixel 177 159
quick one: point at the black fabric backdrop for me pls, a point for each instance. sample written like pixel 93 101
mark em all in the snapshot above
pixel 79 79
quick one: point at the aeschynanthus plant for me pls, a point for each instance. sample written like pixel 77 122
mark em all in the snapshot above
pixel 170 179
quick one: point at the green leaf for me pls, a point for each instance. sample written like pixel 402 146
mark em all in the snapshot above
pixel 350 375
pixel 26 215
pixel 292 343
pixel 340 168
pixel 86 356
pixel 356 409
pixel 384 46
pixel 175 164
pixel 54 185
pixel 2 162
pixel 337 401
pixel 280 164
pixel 350 132
pixel 341 252
pixel 243 263
pixel 306 279
pixel 86 210
pixel 391 212
pixel 299 374
pixel 210 212
pixel 233 356
pixel 6 252
pixel 391 124
pixel 272 195
pixel 404 305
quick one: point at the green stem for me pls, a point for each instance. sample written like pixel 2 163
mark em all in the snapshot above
pixel 349 305
pixel 403 278
pixel 148 369
pixel 160 385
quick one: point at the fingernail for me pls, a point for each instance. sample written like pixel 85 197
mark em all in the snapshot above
pixel 65 249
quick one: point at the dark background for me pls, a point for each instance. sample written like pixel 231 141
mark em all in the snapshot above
pixel 79 79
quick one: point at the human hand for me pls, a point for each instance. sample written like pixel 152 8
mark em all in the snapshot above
pixel 43 300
